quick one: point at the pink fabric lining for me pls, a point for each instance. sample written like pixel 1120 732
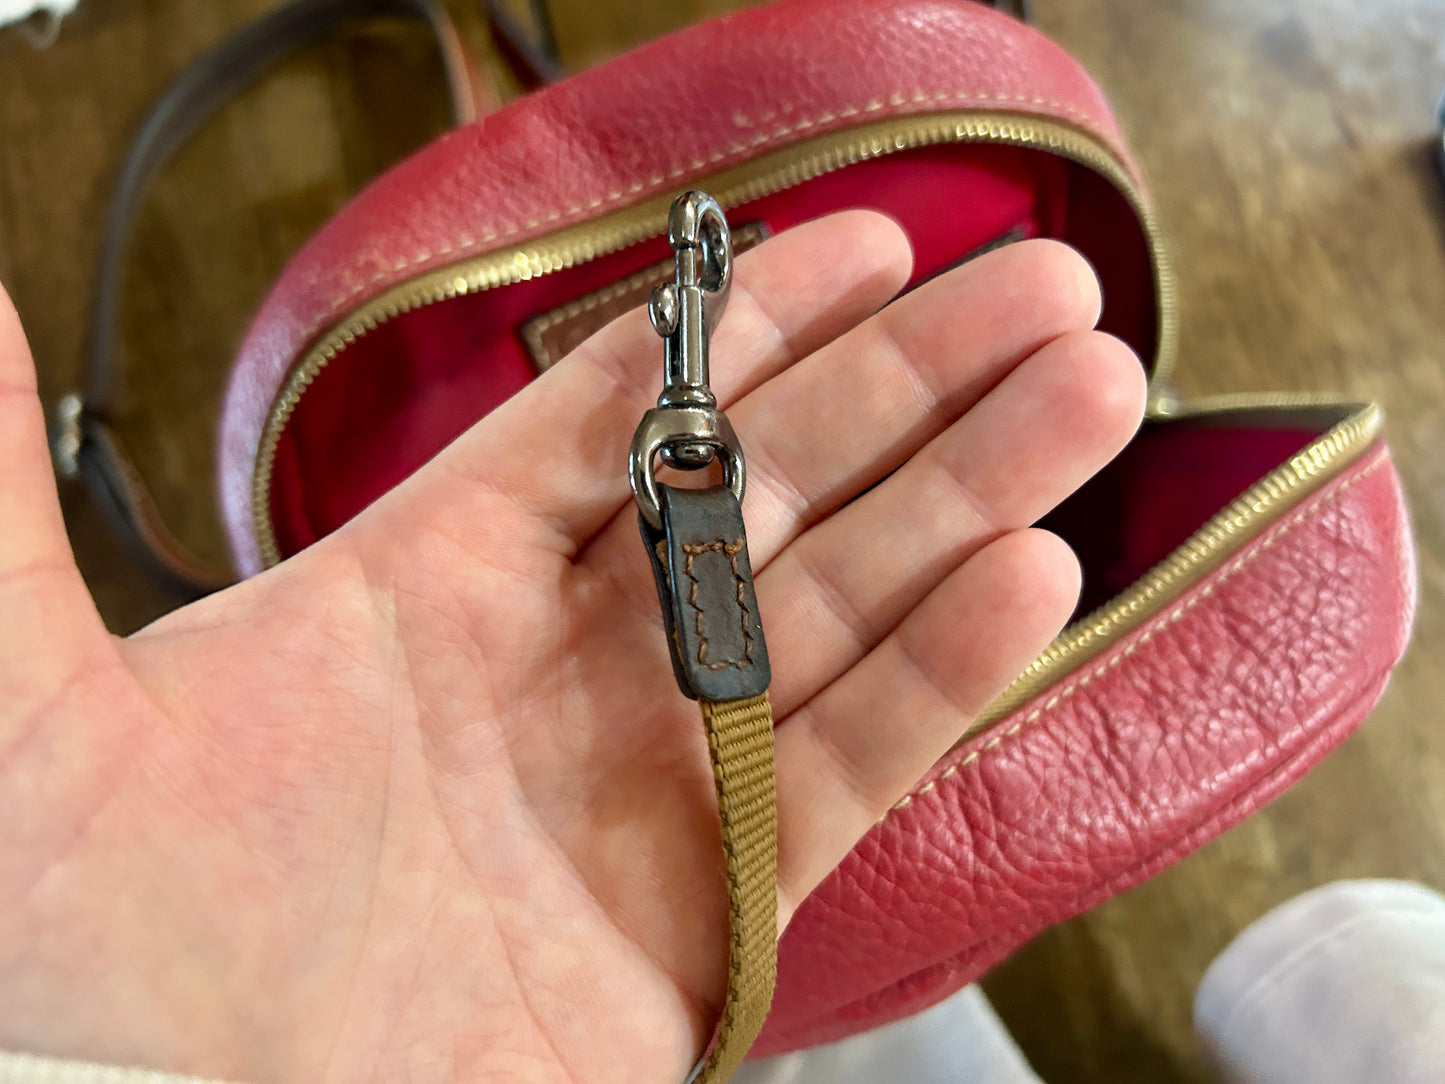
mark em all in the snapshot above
pixel 401 393
pixel 1171 479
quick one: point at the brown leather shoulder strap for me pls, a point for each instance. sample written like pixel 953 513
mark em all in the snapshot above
pixel 86 443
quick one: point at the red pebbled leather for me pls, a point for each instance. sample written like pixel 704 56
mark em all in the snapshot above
pixel 1266 665
pixel 613 136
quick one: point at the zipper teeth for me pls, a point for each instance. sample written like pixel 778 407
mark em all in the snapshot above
pixel 1267 500
pixel 1165 406
pixel 767 175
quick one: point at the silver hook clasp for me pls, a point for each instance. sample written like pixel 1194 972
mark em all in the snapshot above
pixel 686 311
pixel 686 428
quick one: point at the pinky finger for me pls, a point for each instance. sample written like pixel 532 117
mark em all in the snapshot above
pixel 855 748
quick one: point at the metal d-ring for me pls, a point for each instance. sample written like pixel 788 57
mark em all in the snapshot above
pixel 669 427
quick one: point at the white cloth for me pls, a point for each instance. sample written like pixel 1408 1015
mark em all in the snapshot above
pixel 958 1041
pixel 1342 985
pixel 12 11
pixel 27 1069
pixel 41 33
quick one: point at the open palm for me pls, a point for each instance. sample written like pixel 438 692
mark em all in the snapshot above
pixel 423 803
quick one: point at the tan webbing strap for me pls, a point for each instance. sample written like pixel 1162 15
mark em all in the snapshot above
pixel 740 743
pixel 695 540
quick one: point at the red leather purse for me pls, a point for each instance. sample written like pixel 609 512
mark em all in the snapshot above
pixel 1248 564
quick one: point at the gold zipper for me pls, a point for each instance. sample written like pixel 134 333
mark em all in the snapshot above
pixel 763 176
pixel 1262 504
pixel 1164 404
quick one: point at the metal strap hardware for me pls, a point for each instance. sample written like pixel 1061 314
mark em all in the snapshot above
pixel 685 428
pixel 698 551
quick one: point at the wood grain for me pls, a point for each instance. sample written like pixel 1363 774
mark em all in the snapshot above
pixel 1290 146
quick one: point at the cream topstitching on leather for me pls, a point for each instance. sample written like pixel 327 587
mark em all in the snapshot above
pixel 537 328
pixel 508 232
pixel 1160 624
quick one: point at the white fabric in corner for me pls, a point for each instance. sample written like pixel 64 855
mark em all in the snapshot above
pixel 959 1041
pixel 1342 985
pixel 28 1069
pixel 12 11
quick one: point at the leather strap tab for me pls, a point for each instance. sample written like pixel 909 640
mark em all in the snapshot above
pixel 705 585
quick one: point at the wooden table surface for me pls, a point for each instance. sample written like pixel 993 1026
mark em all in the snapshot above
pixel 1289 144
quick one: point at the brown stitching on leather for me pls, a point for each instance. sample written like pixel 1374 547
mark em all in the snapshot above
pixel 764 140
pixel 731 549
pixel 1160 624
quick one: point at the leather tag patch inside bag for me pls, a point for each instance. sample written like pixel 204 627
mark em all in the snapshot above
pixel 557 332
pixel 698 550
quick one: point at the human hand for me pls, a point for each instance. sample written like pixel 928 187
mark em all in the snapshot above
pixel 423 803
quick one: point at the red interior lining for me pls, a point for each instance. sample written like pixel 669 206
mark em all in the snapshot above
pixel 401 393
pixel 1162 488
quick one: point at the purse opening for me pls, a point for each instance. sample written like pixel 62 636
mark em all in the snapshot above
pixel 393 397
pixel 1171 479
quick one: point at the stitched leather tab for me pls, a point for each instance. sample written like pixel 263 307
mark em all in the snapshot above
pixel 705 583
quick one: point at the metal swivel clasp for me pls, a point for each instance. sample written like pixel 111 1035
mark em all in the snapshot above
pixel 685 428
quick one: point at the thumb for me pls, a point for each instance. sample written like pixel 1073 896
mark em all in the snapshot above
pixel 48 624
